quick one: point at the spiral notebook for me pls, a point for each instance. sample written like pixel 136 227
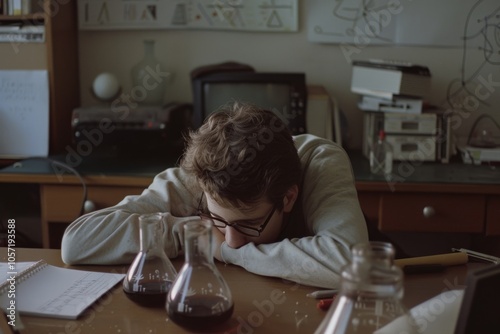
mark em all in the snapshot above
pixel 44 290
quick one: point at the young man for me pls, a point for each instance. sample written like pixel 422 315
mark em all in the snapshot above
pixel 282 206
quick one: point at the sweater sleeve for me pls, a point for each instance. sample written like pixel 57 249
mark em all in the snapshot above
pixel 332 215
pixel 111 235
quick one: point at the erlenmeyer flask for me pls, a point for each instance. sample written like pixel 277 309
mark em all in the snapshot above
pixel 151 274
pixel 199 297
pixel 371 289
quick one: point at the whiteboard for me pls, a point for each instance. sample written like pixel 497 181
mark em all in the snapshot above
pixel 24 113
pixel 443 23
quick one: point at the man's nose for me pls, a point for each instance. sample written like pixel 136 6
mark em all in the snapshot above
pixel 234 239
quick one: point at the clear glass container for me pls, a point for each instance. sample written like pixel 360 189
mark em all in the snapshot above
pixel 149 78
pixel 151 274
pixel 200 297
pixel 371 289
pixel 381 156
pixel 485 132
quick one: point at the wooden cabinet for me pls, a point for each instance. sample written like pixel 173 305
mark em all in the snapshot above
pixel 408 212
pixel 424 207
pixel 60 50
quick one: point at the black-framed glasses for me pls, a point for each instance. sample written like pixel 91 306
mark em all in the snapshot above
pixel 248 230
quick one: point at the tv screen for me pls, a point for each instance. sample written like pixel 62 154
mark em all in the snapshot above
pixel 283 93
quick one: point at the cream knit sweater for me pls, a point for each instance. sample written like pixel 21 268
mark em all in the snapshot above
pixel 325 222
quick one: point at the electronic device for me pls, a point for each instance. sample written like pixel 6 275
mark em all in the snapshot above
pixel 413 137
pixel 479 308
pixel 283 93
pixel 104 131
pixel 478 155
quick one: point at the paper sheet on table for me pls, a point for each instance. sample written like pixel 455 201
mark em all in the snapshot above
pixel 437 315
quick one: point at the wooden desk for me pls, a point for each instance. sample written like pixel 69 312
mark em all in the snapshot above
pixel 431 197
pixel 262 305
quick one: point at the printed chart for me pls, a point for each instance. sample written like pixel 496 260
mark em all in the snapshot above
pixel 444 23
pixel 255 15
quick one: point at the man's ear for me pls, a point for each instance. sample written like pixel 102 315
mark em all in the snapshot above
pixel 291 196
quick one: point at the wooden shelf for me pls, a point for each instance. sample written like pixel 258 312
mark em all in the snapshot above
pixel 61 49
pixel 29 18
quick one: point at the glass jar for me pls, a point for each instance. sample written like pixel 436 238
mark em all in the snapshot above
pixel 371 289
pixel 200 297
pixel 151 274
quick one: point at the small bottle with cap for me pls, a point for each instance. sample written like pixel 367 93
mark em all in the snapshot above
pixel 381 156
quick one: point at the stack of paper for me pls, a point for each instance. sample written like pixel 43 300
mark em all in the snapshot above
pixel 389 86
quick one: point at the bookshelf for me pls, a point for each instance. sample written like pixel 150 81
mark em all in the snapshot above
pixel 60 50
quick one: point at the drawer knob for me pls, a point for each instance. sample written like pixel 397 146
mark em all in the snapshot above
pixel 428 211
pixel 88 206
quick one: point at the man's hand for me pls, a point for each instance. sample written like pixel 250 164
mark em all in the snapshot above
pixel 217 239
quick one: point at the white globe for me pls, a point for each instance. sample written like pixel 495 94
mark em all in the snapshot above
pixel 106 86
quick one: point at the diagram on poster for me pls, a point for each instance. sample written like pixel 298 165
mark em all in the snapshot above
pixel 445 23
pixel 261 15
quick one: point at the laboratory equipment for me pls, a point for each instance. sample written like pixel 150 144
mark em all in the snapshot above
pixel 151 274
pixel 371 289
pixel 381 156
pixel 199 297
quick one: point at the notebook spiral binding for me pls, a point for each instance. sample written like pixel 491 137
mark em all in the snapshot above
pixel 23 275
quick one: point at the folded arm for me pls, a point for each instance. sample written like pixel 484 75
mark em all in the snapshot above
pixel 111 235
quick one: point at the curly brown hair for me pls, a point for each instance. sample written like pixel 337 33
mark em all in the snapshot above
pixel 243 154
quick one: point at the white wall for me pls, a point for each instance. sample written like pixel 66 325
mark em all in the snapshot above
pixel 325 64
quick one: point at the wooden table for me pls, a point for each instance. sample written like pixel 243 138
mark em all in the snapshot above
pixel 262 304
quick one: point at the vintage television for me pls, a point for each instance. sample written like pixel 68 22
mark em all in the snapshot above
pixel 283 93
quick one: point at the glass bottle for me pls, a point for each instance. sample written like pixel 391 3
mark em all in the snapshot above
pixel 149 78
pixel 371 289
pixel 151 274
pixel 199 297
pixel 381 156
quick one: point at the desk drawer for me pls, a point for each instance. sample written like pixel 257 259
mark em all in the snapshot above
pixel 493 216
pixel 61 203
pixel 432 213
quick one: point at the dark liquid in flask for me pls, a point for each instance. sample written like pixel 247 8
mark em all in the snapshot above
pixel 200 315
pixel 151 297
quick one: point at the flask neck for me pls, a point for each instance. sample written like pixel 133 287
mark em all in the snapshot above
pixel 198 238
pixel 377 253
pixel 151 231
pixel 149 49
pixel 372 271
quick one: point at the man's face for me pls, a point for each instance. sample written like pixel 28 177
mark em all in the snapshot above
pixel 254 216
